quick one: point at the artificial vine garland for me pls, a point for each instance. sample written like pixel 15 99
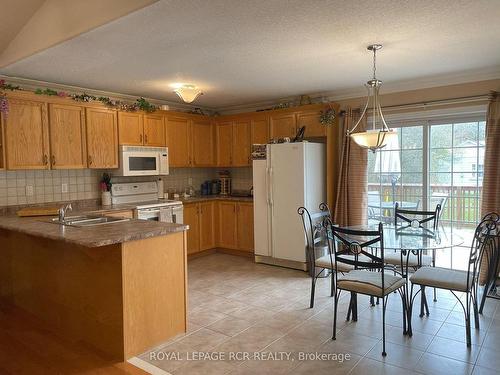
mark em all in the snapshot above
pixel 4 103
pixel 327 117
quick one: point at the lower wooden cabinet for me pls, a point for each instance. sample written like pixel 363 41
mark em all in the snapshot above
pixel 200 218
pixel 235 225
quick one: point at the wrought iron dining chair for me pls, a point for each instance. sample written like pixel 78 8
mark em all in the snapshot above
pixel 316 242
pixel 417 219
pixel 459 280
pixel 351 247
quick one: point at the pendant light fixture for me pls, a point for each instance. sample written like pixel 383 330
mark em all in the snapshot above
pixel 188 93
pixel 379 135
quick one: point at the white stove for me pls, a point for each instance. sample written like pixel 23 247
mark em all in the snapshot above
pixel 149 207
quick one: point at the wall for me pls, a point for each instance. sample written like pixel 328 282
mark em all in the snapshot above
pixel 47 186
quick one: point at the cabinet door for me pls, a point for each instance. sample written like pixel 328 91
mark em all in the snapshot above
pixel 26 135
pixel 227 225
pixel 203 144
pixel 244 219
pixel 68 145
pixel 130 128
pixel 207 238
pixel 154 130
pixel 241 143
pixel 178 141
pixel 191 218
pixel 283 126
pixel 260 131
pixel 102 138
pixel 311 121
pixel 224 135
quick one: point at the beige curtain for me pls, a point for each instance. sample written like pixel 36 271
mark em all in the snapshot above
pixel 351 195
pixel 491 181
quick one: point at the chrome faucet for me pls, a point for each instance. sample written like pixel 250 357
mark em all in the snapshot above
pixel 62 211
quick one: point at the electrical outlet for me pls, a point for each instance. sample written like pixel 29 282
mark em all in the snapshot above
pixel 64 188
pixel 29 190
pixel 190 181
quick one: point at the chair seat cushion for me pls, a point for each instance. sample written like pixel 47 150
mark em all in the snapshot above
pixel 368 282
pixel 394 258
pixel 443 278
pixel 325 262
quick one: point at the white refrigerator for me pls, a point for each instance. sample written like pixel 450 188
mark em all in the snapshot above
pixel 292 175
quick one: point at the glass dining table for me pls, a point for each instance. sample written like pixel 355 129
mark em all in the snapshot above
pixel 410 240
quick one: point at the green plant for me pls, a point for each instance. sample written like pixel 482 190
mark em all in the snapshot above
pixel 144 105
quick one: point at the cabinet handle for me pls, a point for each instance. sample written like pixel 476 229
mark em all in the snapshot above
pixel 45 160
pixel 90 160
pixel 53 160
pixel 145 138
pixel 140 138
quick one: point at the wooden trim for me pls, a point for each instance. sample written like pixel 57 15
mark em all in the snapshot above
pixel 241 253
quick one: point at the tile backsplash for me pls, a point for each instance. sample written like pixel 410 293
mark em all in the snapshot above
pixel 47 186
pixel 84 183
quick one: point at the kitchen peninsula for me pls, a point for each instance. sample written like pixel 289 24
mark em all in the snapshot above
pixel 120 287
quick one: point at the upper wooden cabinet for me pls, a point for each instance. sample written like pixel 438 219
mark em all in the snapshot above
pixel 68 146
pixel 283 125
pixel 130 128
pixel 154 130
pixel 233 143
pixel 178 141
pixel 102 138
pixel 26 133
pixel 310 119
pixel 224 135
pixel 241 143
pixel 203 149
pixel 260 131
pixel 139 129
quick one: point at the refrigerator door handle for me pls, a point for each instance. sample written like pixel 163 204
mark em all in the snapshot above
pixel 270 187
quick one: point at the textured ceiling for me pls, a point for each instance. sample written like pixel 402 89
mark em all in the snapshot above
pixel 248 51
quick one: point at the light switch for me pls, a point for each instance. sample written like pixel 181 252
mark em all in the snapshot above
pixel 29 190
pixel 64 188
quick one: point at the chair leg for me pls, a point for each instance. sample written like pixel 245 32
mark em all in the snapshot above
pixel 422 301
pixel 354 307
pixel 384 304
pixel 332 285
pixel 476 312
pixel 410 311
pixel 483 297
pixel 313 289
pixel 467 320
pixel 402 293
pixel 434 265
pixel 335 303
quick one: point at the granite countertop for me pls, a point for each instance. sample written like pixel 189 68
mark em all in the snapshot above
pixel 92 236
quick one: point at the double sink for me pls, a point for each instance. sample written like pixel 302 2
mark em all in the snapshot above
pixel 88 220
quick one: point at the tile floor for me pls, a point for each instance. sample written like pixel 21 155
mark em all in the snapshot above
pixel 238 307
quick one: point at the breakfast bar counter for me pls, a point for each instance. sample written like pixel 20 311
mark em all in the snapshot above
pixel 120 287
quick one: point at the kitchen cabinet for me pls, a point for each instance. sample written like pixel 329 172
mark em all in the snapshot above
pixel 67 134
pixel 259 131
pixel 154 130
pixel 235 225
pixel 203 150
pixel 26 134
pixel 130 128
pixel 224 135
pixel 102 138
pixel 244 226
pixel 121 213
pixel 283 125
pixel 178 141
pixel 233 143
pixel 137 129
pixel 310 119
pixel 200 218
pixel 241 144
pixel 191 218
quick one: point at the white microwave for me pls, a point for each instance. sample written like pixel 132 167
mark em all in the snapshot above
pixel 143 161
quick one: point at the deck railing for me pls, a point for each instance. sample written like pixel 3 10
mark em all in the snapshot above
pixel 462 205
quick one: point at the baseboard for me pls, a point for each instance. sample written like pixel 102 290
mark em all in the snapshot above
pixel 203 253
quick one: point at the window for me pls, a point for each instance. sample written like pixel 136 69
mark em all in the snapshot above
pixel 438 161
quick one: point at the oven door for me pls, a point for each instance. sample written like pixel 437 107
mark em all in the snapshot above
pixel 140 164
pixel 152 214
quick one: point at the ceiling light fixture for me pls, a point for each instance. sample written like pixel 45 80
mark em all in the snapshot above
pixel 188 93
pixel 377 137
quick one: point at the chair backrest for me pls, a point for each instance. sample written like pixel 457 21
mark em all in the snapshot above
pixel 418 217
pixel 350 244
pixel 313 229
pixel 438 198
pixel 485 240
